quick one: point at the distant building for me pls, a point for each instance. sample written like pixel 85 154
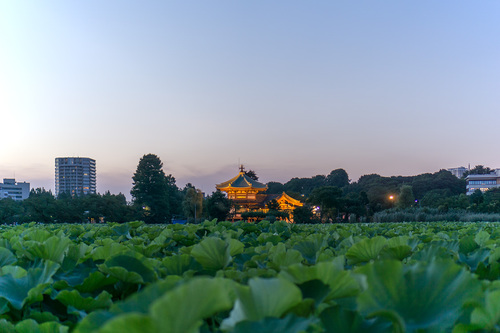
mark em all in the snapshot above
pixel 75 175
pixel 458 172
pixel 482 182
pixel 15 190
pixel 249 196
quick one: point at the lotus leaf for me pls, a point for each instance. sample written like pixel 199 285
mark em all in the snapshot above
pixel 341 283
pixel 263 298
pixel 182 309
pixel 424 295
pixel 75 299
pixel 129 267
pixel 289 324
pixel 28 288
pixel 212 253
pixel 339 320
pixel 365 250
pixel 6 257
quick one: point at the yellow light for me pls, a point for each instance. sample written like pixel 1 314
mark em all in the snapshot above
pixel 391 197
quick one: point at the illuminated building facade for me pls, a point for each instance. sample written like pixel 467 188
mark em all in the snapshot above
pixel 75 175
pixel 249 195
pixel 482 182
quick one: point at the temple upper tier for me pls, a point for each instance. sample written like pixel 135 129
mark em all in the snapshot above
pixel 241 187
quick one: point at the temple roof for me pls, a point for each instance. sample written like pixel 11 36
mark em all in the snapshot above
pixel 241 181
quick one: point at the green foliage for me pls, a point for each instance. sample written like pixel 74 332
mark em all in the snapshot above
pixel 243 277
pixel 153 192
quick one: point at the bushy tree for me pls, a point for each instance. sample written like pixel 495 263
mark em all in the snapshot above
pixel 192 205
pixel 152 191
pixel 40 206
pixel 337 177
pixel 405 197
pixel 218 206
pixel 329 199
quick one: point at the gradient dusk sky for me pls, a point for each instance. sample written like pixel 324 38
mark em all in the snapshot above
pixel 288 88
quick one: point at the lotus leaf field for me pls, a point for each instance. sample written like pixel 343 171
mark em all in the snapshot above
pixel 250 277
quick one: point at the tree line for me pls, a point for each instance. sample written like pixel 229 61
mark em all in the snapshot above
pixel 327 198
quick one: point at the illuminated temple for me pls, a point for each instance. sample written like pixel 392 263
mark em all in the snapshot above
pixel 249 195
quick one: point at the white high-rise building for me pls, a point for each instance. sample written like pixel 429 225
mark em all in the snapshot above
pixel 458 172
pixel 15 190
pixel 75 175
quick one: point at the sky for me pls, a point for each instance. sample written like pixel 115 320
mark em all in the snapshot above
pixel 287 88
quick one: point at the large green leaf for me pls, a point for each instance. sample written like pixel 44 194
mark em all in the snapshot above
pixel 424 295
pixel 6 327
pixel 130 323
pixel 474 258
pixel 289 324
pixel 339 320
pixel 53 248
pixel 6 257
pixel 341 282
pixel 488 316
pixel 182 309
pixel 212 253
pixel 29 287
pixel 108 250
pixel 129 267
pixel 74 299
pixel 311 248
pixel 179 264
pixel 263 298
pixel 31 326
pixel 365 250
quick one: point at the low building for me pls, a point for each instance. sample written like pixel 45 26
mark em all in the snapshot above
pixel 482 182
pixel 14 190
pixel 249 196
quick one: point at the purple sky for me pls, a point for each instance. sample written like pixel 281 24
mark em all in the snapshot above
pixel 288 88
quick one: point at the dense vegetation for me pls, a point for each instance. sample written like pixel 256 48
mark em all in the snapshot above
pixel 333 198
pixel 246 277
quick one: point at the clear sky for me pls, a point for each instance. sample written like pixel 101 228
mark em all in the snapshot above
pixel 288 88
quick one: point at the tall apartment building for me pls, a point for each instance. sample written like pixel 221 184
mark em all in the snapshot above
pixel 75 175
pixel 15 190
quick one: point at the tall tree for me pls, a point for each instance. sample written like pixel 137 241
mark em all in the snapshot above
pixel 192 205
pixel 150 190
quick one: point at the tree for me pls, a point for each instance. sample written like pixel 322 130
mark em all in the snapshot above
pixel 405 198
pixel 252 175
pixel 303 214
pixel 275 188
pixel 478 170
pixel 192 205
pixel 337 177
pixel 273 205
pixel 152 191
pixel 10 210
pixel 40 206
pixel 218 206
pixel 329 199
